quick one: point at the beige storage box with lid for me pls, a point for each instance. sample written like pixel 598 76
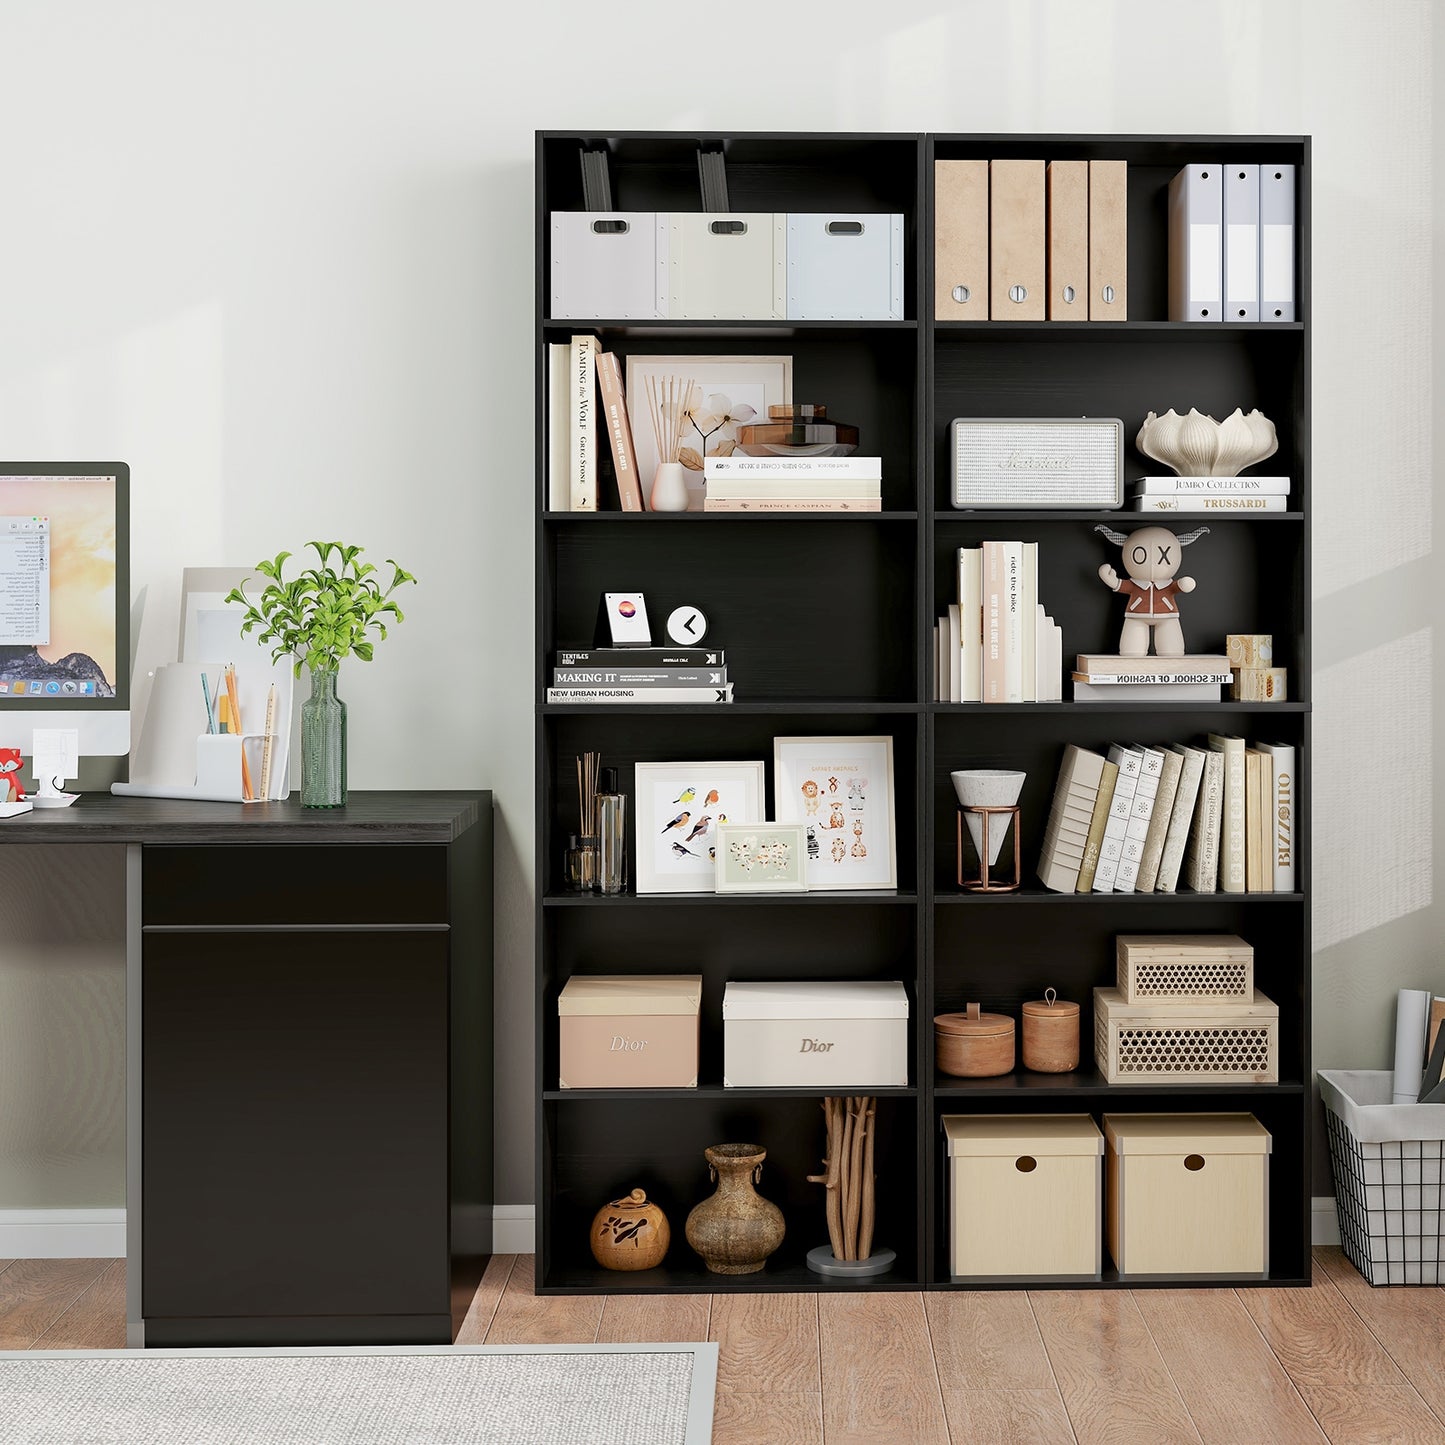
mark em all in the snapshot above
pixel 1024 1196
pixel 1187 1194
pixel 816 1035
pixel 629 1031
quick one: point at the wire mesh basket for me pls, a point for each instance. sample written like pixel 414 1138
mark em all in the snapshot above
pixel 1388 1162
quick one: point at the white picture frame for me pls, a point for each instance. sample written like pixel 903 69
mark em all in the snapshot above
pixel 761 858
pixel 755 382
pixel 840 788
pixel 708 793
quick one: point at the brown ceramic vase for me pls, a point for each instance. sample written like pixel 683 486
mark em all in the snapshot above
pixel 630 1233
pixel 736 1229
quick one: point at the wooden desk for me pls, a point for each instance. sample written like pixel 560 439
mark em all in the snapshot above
pixel 308 1062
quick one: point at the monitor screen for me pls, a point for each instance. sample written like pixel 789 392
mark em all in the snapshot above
pixel 62 624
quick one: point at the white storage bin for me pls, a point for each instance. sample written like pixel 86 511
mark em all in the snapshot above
pixel 845 267
pixel 726 267
pixel 1024 1196
pixel 1388 1161
pixel 851 1036
pixel 608 264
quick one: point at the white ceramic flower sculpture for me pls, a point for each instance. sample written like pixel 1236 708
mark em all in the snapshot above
pixel 1198 446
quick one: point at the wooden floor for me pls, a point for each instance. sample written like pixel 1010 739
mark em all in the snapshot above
pixel 1339 1362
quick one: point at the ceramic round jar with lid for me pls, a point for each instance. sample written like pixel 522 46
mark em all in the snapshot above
pixel 630 1233
pixel 974 1045
pixel 1051 1035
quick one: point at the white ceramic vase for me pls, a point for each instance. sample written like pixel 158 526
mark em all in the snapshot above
pixel 1198 446
pixel 987 788
pixel 669 488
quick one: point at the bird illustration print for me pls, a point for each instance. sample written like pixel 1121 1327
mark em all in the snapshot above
pixel 678 822
pixel 682 852
pixel 711 799
pixel 700 827
pixel 686 796
pixel 722 817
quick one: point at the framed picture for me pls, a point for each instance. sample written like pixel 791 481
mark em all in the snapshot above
pixel 723 393
pixel 679 807
pixel 841 791
pixel 761 858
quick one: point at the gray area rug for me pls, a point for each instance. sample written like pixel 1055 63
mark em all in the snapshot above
pixel 488 1395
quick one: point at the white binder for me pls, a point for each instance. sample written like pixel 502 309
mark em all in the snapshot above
pixel 1196 261
pixel 1241 243
pixel 1276 243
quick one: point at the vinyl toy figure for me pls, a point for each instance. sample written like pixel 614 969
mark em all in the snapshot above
pixel 10 789
pixel 1152 557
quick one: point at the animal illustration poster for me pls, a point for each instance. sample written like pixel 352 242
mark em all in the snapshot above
pixel 679 809
pixel 841 790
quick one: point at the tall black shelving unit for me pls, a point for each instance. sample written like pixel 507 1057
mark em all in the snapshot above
pixel 827 622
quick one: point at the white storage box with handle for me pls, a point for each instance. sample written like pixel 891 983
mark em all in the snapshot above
pixel 845 267
pixel 608 264
pixel 1388 1160
pixel 815 1035
pixel 726 267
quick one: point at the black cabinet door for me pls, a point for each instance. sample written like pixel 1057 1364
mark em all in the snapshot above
pixel 295 1124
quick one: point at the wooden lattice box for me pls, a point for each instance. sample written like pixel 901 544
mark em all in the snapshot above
pixel 1175 1041
pixel 1201 966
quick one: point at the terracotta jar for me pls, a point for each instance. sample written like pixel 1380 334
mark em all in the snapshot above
pixel 736 1229
pixel 630 1233
pixel 974 1045
pixel 1051 1035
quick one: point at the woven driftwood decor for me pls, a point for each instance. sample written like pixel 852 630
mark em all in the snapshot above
pixel 848 1175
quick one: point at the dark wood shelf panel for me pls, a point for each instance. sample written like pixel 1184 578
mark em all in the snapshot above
pixel 1087 1083
pixel 781 707
pixel 790 1277
pixel 903 898
pixel 1043 895
pixel 559 518
pixel 662 326
pixel 1112 515
pixel 1083 709
pixel 1112 1280
pixel 1107 330
pixel 715 1092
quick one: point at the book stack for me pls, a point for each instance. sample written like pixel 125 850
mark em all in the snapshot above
pixel 641 674
pixel 1219 817
pixel 1104 677
pixel 793 484
pixel 997 644
pixel 1210 494
pixel 585 404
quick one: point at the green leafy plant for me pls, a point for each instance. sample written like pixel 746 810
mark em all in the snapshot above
pixel 324 613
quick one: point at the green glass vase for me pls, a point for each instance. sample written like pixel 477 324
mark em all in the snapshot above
pixel 323 743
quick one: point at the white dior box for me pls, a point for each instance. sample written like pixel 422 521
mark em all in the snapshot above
pixel 815 1035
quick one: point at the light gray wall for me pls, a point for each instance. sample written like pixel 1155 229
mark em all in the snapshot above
pixel 279 257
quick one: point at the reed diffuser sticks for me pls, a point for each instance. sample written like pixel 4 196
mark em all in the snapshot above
pixel 667 406
pixel 588 769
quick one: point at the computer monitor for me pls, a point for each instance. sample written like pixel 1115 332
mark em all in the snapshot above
pixel 65 603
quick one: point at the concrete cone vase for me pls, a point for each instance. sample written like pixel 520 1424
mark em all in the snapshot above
pixel 987 788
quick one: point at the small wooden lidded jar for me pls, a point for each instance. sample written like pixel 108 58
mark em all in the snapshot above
pixel 1051 1035
pixel 974 1045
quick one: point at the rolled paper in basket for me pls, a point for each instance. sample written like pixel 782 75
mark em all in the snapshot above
pixel 1412 1020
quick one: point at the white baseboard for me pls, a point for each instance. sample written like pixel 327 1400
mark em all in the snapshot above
pixel 1324 1221
pixel 514 1228
pixel 62 1233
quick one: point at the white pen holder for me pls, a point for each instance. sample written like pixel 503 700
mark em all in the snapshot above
pixel 218 765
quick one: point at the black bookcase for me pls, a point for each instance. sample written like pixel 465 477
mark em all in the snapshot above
pixel 828 623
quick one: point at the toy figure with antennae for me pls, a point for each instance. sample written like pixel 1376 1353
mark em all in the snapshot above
pixel 1152 557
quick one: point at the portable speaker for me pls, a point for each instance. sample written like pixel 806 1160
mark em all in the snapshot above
pixel 1038 462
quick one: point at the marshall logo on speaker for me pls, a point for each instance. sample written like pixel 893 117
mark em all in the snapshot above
pixel 1037 462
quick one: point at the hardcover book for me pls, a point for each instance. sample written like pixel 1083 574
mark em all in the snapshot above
pixel 1201 860
pixel 1232 824
pixel 1176 839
